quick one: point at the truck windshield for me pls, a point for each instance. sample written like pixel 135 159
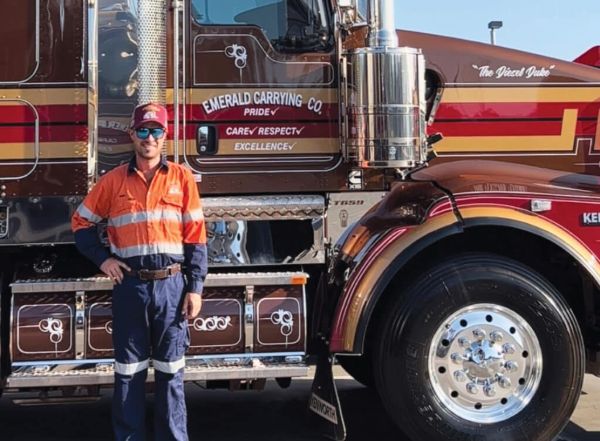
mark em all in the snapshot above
pixel 290 25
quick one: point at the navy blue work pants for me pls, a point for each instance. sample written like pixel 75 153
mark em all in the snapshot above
pixel 148 324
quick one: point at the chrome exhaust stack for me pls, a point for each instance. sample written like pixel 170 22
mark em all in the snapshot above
pixel 152 50
pixel 382 32
pixel 384 98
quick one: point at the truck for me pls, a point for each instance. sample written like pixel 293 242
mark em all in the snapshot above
pixel 422 210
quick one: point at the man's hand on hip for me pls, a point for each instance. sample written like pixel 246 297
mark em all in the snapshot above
pixel 192 303
pixel 113 268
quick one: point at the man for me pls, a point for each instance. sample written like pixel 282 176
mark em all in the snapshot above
pixel 155 228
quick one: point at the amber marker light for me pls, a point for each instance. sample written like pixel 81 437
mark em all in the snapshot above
pixel 299 279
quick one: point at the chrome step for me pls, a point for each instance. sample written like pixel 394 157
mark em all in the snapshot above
pixel 57 375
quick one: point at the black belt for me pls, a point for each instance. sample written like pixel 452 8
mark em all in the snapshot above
pixel 163 273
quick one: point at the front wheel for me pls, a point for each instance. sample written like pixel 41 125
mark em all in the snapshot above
pixel 479 348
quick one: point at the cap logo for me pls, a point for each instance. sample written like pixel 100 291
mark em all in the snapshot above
pixel 150 115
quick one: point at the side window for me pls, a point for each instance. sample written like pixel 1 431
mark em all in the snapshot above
pixel 18 40
pixel 362 10
pixel 290 25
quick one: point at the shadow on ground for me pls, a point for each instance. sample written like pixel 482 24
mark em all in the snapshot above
pixel 220 415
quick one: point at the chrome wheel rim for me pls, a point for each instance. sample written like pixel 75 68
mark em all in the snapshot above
pixel 485 363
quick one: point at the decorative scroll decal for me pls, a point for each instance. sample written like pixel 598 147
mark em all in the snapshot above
pixel 214 323
pixel 108 327
pixel 285 320
pixel 279 321
pixel 54 327
pixel 43 329
pixel 239 53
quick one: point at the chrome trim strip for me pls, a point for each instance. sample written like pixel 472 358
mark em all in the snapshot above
pixel 191 373
pixel 263 171
pixel 264 207
pixel 190 359
pixel 215 280
pixel 92 89
pixel 68 364
pixel 64 285
pixel 80 324
pixel 249 318
pixel 176 7
pixel 261 161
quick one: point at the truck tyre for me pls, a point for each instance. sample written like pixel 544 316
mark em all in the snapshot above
pixel 480 348
pixel 359 367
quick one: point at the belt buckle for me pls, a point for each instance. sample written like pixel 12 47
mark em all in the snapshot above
pixel 144 274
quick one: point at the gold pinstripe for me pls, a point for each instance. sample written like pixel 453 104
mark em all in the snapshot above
pixel 47 150
pixel 497 143
pixel 520 95
pixel 44 96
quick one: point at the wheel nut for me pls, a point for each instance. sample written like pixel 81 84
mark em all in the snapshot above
pixel 479 334
pixel 511 366
pixel 456 358
pixel 472 388
pixel 460 376
pixel 507 348
pixel 489 390
pixel 464 342
pixel 504 382
pixel 496 336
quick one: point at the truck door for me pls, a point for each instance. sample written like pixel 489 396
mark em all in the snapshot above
pixel 261 92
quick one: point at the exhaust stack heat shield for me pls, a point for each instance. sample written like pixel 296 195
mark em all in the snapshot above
pixel 386 107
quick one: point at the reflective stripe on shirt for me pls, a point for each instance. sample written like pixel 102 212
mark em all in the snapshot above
pixel 88 214
pixel 146 250
pixel 193 216
pixel 145 216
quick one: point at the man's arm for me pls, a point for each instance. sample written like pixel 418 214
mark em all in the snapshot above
pixel 194 247
pixel 84 224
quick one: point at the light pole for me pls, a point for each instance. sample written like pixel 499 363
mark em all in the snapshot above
pixel 492 26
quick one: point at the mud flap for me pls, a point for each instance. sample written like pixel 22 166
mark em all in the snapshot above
pixel 325 411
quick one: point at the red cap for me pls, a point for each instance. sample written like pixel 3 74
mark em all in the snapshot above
pixel 150 112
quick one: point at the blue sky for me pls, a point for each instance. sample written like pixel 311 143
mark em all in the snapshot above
pixel 558 28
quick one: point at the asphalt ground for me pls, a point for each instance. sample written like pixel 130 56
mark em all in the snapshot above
pixel 273 414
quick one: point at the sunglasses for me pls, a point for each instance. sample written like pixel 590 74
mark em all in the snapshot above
pixel 145 132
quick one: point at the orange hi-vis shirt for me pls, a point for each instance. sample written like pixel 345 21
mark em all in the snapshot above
pixel 150 225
